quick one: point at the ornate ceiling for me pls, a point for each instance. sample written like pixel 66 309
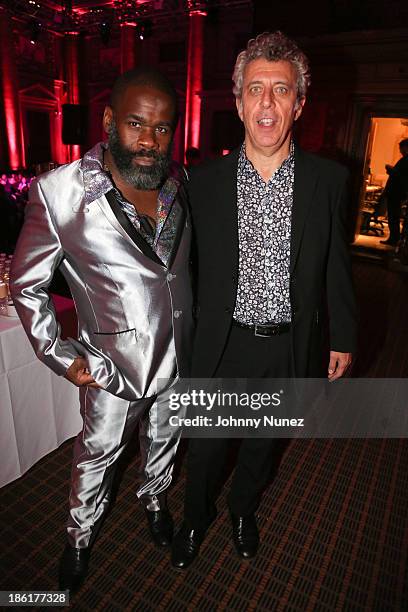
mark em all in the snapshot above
pixel 87 15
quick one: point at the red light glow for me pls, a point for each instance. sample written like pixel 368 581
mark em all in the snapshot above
pixel 127 46
pixel 194 79
pixel 10 95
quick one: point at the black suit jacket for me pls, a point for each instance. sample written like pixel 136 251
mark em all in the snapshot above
pixel 319 266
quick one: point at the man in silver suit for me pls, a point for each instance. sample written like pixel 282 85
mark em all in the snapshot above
pixel 116 224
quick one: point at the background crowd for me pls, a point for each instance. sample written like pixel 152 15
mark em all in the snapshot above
pixel 13 199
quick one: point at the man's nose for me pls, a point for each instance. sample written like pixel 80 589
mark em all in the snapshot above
pixel 268 98
pixel 147 138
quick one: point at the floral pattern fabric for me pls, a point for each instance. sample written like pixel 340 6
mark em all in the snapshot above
pixel 264 233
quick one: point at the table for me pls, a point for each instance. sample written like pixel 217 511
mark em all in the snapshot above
pixel 38 409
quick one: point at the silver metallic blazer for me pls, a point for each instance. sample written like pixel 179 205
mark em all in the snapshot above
pixel 134 313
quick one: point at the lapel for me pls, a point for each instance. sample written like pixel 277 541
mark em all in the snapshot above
pixel 225 210
pixel 181 202
pixel 104 205
pixel 130 231
pixel 304 188
pixel 225 207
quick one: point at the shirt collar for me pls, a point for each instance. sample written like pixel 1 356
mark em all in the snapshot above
pixel 245 165
pixel 96 181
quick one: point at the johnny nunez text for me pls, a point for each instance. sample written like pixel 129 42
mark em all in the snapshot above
pixel 205 421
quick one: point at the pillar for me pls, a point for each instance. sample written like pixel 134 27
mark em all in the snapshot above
pixel 127 46
pixel 60 152
pixel 194 86
pixel 9 94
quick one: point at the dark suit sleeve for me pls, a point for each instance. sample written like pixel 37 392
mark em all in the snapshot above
pixel 340 291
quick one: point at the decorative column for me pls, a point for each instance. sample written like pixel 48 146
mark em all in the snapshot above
pixel 127 46
pixel 72 78
pixel 194 75
pixel 9 93
pixel 60 152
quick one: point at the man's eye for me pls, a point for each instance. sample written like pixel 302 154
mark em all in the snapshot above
pixel 282 90
pixel 255 89
pixel 134 124
pixel 162 130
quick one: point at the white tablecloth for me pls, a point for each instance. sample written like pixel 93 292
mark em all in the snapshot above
pixel 38 409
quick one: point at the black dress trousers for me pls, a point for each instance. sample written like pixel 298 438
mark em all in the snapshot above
pixel 245 356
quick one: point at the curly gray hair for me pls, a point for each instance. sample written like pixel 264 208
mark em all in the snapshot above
pixel 272 46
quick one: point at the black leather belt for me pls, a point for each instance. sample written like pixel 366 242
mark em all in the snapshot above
pixel 266 330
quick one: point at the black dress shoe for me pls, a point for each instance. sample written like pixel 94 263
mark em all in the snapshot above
pixel 73 568
pixel 186 546
pixel 245 535
pixel 160 526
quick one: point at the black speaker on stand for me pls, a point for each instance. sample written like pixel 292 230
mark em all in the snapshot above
pixel 74 124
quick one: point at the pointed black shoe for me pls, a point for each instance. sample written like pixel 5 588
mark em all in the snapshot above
pixel 245 535
pixel 73 568
pixel 186 546
pixel 160 526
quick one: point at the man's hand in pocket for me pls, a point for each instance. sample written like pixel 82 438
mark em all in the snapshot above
pixel 79 374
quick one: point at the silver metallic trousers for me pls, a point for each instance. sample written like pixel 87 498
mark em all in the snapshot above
pixel 108 424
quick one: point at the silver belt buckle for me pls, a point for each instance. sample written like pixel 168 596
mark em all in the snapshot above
pixel 257 333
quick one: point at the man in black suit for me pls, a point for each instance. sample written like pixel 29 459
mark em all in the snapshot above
pixel 396 192
pixel 271 248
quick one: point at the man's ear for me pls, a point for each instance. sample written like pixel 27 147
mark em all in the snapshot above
pixel 107 119
pixel 299 107
pixel 238 102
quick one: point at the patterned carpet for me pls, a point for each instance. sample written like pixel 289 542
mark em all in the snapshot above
pixel 333 522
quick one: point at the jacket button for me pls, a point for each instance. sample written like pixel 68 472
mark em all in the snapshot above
pixel 170 276
pixel 177 314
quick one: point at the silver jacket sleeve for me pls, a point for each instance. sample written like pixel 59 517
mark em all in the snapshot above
pixel 37 256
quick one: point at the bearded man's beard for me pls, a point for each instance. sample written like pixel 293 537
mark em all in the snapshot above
pixel 141 177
